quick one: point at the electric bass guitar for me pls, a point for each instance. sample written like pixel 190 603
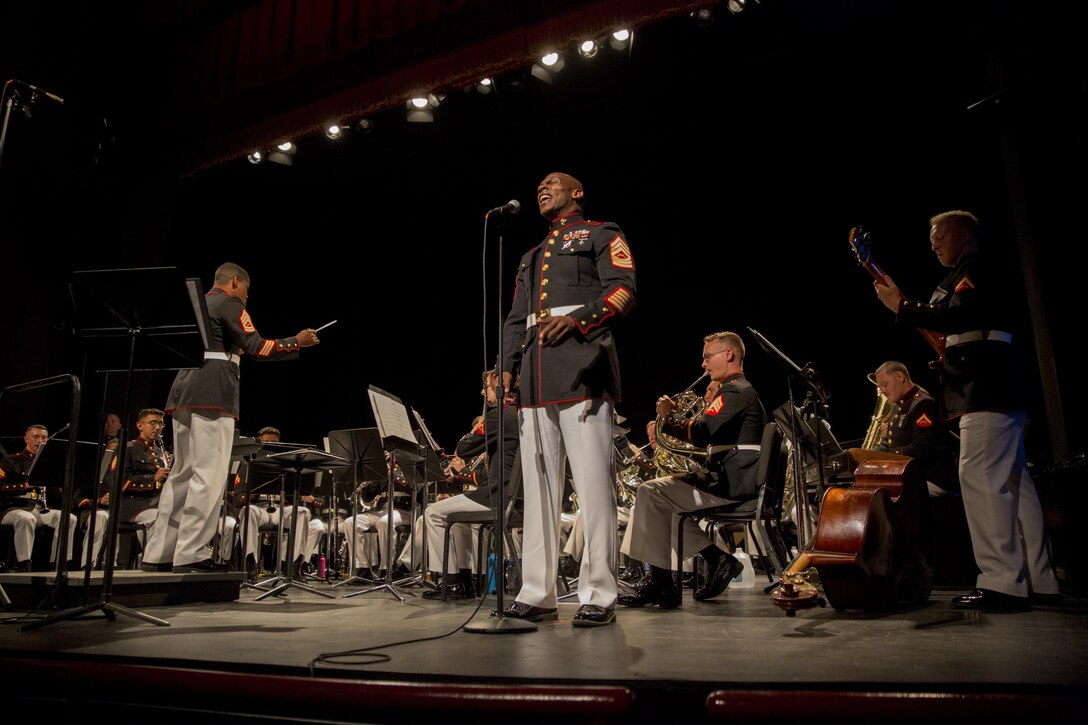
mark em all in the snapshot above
pixel 862 247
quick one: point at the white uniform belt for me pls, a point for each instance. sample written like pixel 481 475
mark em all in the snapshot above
pixel 232 357
pixel 739 447
pixel 976 335
pixel 531 320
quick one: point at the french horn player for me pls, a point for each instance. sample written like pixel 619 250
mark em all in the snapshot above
pixel 727 430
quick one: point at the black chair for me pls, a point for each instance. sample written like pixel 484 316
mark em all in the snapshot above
pixel 486 521
pixel 761 516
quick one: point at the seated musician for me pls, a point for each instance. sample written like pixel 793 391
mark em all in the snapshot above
pixel 266 508
pixel 373 515
pixel 147 464
pixel 732 424
pixel 22 506
pixel 914 428
pixel 485 497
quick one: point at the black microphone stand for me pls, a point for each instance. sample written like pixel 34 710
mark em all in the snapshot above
pixel 498 623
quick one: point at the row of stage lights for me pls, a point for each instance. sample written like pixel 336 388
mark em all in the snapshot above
pixel 420 109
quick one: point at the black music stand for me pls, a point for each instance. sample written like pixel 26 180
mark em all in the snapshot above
pixel 362 446
pixel 817 395
pixel 399 442
pixel 117 308
pixel 425 471
pixel 306 460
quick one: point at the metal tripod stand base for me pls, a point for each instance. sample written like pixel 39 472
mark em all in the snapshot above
pixel 109 609
pixel 498 624
pixel 388 587
pixel 292 584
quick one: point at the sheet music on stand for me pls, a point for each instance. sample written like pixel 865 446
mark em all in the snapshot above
pixel 391 417
pixel 426 431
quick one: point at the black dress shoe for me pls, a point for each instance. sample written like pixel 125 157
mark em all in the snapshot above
pixel 590 615
pixel 23 566
pixel 530 614
pixel 718 578
pixel 149 566
pixel 201 567
pixel 651 593
pixel 990 601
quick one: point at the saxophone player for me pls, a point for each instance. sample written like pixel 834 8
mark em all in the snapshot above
pixel 731 425
pixel 913 428
pixel 147 465
pixel 18 509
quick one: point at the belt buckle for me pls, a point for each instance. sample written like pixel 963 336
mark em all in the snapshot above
pixel 544 314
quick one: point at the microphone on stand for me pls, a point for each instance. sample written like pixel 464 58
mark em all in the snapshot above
pixel 511 207
pixel 39 91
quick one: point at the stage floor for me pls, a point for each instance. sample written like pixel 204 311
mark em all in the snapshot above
pixel 674 662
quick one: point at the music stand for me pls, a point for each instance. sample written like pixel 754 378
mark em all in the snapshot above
pixel 124 306
pixel 813 381
pixel 305 460
pixel 399 442
pixel 362 446
pixel 425 471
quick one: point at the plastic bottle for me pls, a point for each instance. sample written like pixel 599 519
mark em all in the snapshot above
pixel 747 577
pixel 321 567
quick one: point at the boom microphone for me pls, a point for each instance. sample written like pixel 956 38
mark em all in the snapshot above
pixel 511 207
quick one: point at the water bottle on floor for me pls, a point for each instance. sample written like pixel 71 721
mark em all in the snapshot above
pixel 747 577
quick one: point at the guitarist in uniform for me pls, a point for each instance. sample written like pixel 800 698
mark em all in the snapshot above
pixel 978 387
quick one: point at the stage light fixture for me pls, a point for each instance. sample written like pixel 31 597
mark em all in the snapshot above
pixel 702 17
pixel 334 131
pixel 420 108
pixel 588 48
pixel 256 157
pixel 549 65
pixel 735 6
pixel 364 125
pixel 620 39
pixel 485 86
pixel 286 147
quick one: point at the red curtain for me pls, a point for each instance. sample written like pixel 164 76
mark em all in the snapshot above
pixel 265 70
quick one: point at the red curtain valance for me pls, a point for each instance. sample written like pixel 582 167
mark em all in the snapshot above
pixel 252 73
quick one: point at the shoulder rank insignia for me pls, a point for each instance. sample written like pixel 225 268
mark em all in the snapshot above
pixel 620 253
pixel 3 474
pixel 113 464
pixel 923 421
pixel 247 323
pixel 715 407
pixel 964 283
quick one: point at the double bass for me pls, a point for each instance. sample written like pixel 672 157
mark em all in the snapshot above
pixel 867 549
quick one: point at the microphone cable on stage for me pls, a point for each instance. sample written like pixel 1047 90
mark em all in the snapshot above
pixel 374 658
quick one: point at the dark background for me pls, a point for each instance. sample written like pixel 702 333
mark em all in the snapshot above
pixel 736 157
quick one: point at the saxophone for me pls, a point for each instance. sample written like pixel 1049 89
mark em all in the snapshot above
pixel 878 424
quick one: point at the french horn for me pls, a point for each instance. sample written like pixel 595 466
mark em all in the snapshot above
pixel 674 456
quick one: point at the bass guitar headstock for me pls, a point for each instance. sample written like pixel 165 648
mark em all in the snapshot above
pixel 862 246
